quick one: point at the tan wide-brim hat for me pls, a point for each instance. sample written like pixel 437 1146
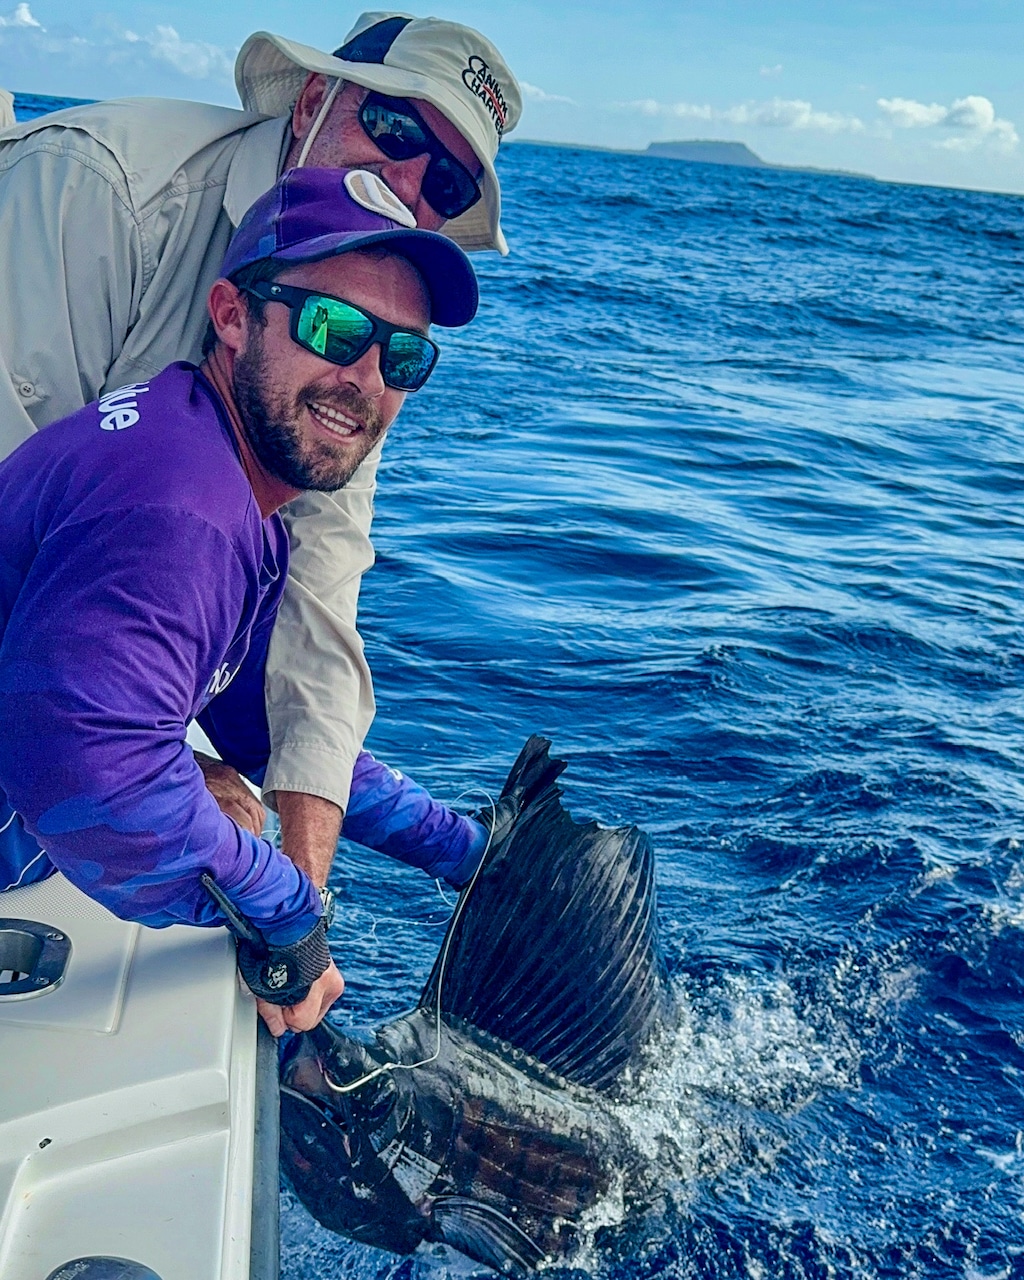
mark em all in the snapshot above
pixel 452 67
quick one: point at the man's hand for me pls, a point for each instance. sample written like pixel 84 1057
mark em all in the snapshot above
pixel 232 793
pixel 309 1014
pixel 310 826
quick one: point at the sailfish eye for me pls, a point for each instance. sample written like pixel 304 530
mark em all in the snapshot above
pixel 381 1105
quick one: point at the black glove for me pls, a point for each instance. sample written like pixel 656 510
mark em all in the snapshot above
pixel 284 975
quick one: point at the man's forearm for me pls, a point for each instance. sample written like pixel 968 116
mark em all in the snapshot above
pixel 310 827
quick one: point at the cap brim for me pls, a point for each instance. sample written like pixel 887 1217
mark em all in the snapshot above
pixel 270 72
pixel 449 278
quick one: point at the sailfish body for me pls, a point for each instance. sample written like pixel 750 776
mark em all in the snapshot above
pixel 496 1136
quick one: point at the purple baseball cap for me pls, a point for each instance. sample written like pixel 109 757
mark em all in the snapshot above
pixel 311 214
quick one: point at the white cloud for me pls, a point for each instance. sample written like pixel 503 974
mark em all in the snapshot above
pixel 973 120
pixel 968 123
pixel 193 58
pixel 780 113
pixel 904 113
pixel 532 94
pixel 791 113
pixel 677 110
pixel 113 46
pixel 21 17
pixel 772 71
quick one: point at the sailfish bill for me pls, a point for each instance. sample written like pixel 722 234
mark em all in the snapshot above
pixel 482 1119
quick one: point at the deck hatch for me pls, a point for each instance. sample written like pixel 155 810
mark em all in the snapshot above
pixel 33 958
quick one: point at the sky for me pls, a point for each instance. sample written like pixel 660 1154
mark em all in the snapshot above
pixel 914 91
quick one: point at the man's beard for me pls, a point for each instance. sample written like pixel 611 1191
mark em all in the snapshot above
pixel 271 425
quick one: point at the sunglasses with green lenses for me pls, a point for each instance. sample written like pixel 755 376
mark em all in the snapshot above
pixel 342 333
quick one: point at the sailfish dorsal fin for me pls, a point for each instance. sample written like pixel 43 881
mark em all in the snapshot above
pixel 555 950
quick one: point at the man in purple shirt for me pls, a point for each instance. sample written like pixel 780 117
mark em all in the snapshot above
pixel 142 561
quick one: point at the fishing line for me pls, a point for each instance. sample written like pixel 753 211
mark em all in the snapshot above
pixel 442 970
pixel 354 871
pixel 443 896
pixel 363 937
pixel 389 920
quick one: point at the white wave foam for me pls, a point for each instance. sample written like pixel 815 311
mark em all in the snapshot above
pixel 1007 911
pixel 700 1105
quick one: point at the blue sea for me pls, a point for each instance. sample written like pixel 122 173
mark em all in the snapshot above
pixel 724 492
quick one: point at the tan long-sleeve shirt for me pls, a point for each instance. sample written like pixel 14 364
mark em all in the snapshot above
pixel 114 219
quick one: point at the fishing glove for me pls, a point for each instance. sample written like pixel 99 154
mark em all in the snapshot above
pixel 497 824
pixel 284 975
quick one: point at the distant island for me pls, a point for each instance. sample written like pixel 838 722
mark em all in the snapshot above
pixel 702 152
pixel 699 151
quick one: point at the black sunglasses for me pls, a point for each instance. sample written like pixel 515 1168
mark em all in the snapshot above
pixel 341 332
pixel 394 127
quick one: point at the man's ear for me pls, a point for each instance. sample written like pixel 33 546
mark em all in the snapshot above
pixel 229 314
pixel 307 105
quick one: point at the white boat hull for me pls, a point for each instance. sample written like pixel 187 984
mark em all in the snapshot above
pixel 128 1103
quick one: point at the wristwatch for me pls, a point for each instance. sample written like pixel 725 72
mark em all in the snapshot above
pixel 280 974
pixel 327 898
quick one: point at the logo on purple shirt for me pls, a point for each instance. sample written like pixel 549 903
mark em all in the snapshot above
pixel 120 408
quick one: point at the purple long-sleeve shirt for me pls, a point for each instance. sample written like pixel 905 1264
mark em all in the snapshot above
pixel 135 570
pixel 138 590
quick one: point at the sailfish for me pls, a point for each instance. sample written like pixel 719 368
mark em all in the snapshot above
pixel 486 1118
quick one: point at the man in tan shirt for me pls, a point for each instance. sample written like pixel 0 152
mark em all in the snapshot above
pixel 113 222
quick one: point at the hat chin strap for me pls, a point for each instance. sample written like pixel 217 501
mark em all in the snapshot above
pixel 321 116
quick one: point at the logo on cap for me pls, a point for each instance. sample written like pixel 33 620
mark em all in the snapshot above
pixel 483 84
pixel 374 194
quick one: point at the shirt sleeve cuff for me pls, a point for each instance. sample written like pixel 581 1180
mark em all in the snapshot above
pixel 311 769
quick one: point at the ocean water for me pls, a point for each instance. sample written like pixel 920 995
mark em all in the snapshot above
pixel 722 492
pixel 30 106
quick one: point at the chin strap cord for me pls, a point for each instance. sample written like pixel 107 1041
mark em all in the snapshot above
pixel 353 1085
pixel 321 116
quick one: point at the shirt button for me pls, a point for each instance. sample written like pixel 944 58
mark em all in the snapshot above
pixel 26 389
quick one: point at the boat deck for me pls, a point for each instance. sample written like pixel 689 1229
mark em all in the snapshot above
pixel 128 1099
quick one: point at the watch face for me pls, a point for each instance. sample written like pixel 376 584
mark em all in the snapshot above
pixel 327 898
